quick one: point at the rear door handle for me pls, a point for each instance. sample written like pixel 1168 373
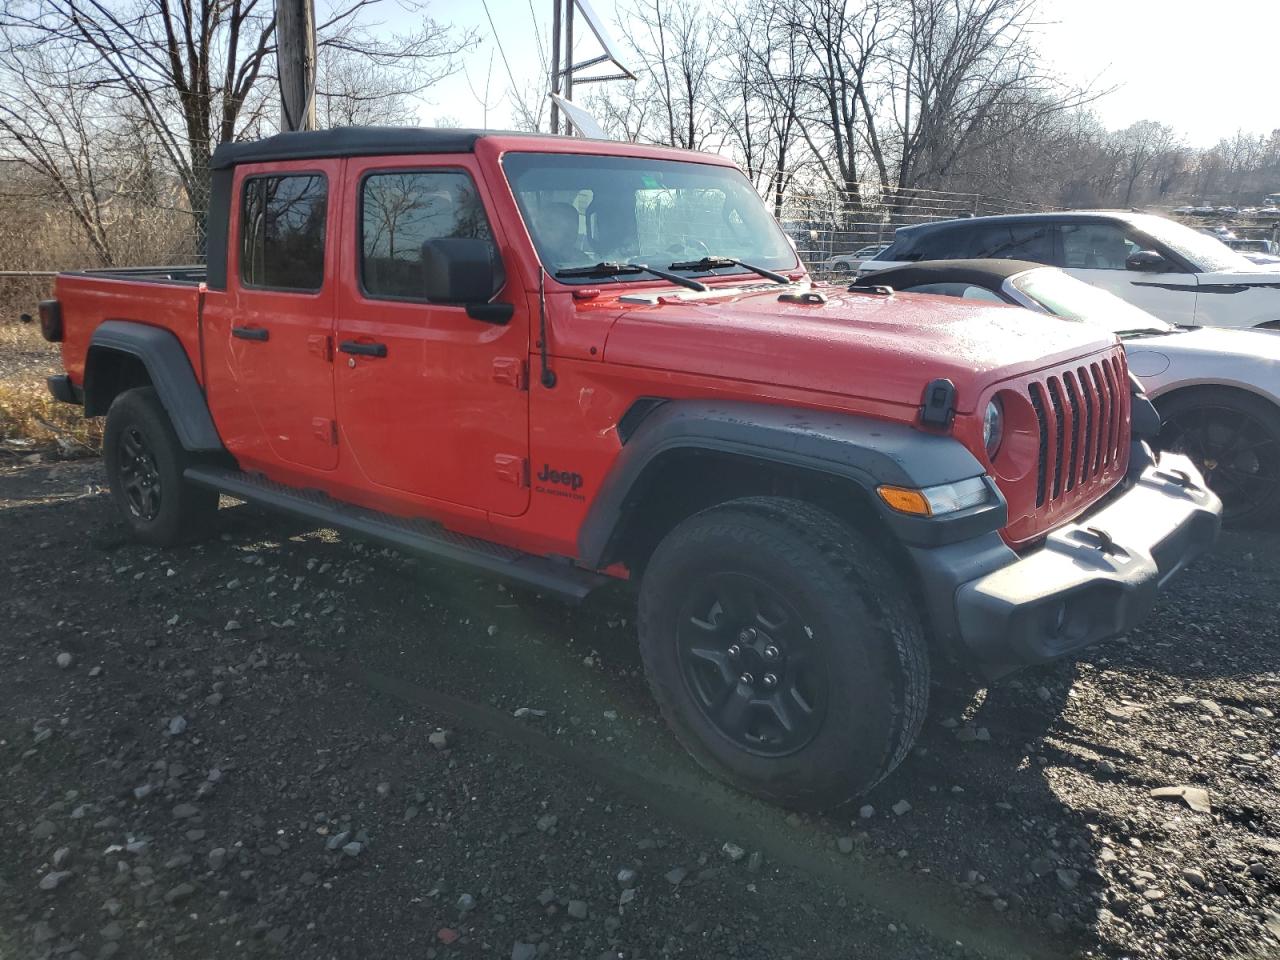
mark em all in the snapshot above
pixel 251 333
pixel 364 349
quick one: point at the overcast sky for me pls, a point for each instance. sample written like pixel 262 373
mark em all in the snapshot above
pixel 1206 69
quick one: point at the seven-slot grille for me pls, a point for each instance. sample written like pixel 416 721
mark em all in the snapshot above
pixel 1083 412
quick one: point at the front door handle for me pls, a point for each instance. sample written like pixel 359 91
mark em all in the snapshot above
pixel 251 333
pixel 364 349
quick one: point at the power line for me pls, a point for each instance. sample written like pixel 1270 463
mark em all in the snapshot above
pixel 498 40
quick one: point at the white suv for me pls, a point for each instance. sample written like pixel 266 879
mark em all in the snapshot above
pixel 1180 275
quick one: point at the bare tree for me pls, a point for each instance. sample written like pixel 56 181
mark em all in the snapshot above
pixel 192 70
pixel 677 44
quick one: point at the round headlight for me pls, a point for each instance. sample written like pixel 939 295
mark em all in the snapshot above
pixel 993 427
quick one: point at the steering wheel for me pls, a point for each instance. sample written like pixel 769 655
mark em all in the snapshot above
pixel 684 247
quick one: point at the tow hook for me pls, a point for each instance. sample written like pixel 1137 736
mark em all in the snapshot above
pixel 1105 543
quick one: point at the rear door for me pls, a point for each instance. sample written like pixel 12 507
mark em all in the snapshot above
pixel 282 305
pixel 1095 252
pixel 432 402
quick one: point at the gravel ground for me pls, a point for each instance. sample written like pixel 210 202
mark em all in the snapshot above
pixel 283 743
pixel 24 356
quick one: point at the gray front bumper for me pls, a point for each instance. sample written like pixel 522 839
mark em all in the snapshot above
pixel 1090 580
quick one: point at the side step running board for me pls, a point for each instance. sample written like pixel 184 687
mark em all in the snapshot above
pixel 415 536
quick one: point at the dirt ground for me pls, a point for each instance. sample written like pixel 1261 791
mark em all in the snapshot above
pixel 281 743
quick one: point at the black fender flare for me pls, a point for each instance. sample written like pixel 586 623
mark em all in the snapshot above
pixel 170 371
pixel 863 450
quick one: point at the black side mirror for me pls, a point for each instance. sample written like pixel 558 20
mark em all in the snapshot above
pixel 464 271
pixel 1147 261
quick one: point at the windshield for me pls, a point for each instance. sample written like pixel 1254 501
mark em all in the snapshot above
pixel 583 210
pixel 1065 296
pixel 1207 254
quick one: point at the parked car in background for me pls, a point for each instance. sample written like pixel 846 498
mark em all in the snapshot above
pixel 1171 270
pixel 1217 391
pixel 1255 250
pixel 849 262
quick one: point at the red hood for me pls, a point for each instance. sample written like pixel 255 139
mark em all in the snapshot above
pixel 883 348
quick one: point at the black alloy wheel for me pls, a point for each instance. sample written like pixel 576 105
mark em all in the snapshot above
pixel 1236 446
pixel 751 664
pixel 139 476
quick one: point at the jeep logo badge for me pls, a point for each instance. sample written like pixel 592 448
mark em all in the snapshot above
pixel 563 477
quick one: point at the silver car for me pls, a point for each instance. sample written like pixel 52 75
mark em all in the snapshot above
pixel 1217 391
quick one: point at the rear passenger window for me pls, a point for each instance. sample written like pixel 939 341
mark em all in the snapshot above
pixel 282 232
pixel 1017 241
pixel 399 212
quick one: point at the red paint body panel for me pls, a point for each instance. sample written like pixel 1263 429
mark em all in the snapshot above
pixel 453 424
pixel 88 300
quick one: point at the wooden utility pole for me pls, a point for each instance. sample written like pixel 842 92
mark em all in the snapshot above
pixel 296 63
pixel 568 61
pixel 555 63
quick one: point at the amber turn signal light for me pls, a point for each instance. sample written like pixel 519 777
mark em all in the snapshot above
pixel 905 500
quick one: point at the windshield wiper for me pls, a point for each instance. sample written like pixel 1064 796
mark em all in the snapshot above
pixel 1146 332
pixel 713 263
pixel 612 269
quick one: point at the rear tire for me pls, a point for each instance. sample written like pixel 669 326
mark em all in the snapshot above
pixel 783 652
pixel 145 461
pixel 1234 438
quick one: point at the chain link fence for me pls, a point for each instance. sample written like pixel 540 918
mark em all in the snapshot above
pixel 834 230
pixel 43 232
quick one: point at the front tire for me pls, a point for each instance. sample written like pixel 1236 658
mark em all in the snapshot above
pixel 783 652
pixel 1234 438
pixel 145 461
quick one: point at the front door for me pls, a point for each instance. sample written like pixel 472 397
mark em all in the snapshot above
pixel 431 402
pixel 281 310
pixel 1095 252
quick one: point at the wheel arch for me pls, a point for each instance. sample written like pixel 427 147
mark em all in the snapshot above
pixel 686 456
pixel 1192 388
pixel 125 354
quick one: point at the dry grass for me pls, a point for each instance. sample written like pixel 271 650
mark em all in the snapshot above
pixel 29 414
pixel 31 421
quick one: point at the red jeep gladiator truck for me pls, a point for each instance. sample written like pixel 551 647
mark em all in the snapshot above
pixel 565 361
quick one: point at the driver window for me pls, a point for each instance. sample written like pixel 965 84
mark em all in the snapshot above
pixel 399 212
pixel 1096 246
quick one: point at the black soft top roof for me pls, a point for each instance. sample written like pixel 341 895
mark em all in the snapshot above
pixel 348 142
pixel 989 274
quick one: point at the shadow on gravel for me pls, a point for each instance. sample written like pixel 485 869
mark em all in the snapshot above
pixel 1195 633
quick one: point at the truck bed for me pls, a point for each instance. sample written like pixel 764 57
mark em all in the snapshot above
pixel 167 297
pixel 189 274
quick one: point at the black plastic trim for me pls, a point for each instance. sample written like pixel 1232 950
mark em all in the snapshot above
pixel 497 313
pixel 1102 571
pixel 418 536
pixel 349 142
pixel 217 228
pixel 61 388
pixel 171 374
pixel 51 327
pixel 861 450
pixel 363 349
pixel 631 420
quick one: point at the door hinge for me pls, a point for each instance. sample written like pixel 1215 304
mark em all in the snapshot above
pixel 512 371
pixel 325 430
pixel 512 469
pixel 321 345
